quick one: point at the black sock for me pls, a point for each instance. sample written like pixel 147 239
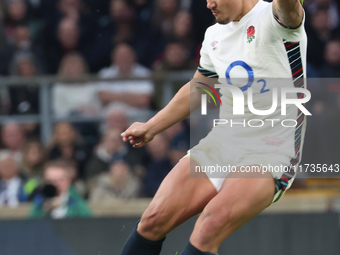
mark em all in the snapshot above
pixel 192 250
pixel 138 245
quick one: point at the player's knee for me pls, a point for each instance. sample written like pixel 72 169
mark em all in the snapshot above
pixel 154 225
pixel 213 224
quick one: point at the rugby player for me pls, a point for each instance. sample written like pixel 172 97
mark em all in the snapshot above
pixel 255 40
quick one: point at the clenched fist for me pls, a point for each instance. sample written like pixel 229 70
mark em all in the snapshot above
pixel 138 135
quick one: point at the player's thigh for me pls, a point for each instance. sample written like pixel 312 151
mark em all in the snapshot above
pixel 178 198
pixel 239 200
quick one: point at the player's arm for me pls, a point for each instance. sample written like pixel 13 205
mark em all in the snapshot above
pixel 288 12
pixel 177 109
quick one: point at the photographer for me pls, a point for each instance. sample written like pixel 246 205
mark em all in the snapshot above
pixel 57 198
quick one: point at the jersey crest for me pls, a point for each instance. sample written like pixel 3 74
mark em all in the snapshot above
pixel 250 34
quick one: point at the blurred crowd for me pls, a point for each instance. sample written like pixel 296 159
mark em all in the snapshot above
pixel 113 39
pixel 104 172
pixel 72 39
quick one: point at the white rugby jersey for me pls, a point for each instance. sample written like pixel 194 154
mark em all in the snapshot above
pixel 256 44
pixel 259 50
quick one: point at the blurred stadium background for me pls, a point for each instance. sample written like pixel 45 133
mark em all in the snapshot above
pixel 75 73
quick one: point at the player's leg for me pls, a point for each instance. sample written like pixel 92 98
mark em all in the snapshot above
pixel 178 198
pixel 239 200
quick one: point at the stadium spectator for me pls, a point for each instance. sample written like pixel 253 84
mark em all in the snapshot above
pixel 78 184
pixel 68 39
pixel 63 201
pixel 13 139
pixel 70 8
pixel 319 32
pixel 53 11
pixel 67 144
pixel 24 65
pixel 148 42
pixel 33 159
pixel 78 10
pixel 119 183
pixel 22 43
pixel 16 10
pixel 115 118
pixel 11 184
pixel 332 56
pixel 31 130
pixel 110 149
pixel 159 166
pixel 176 58
pixel 123 18
pixel 182 31
pixel 134 94
pixel 74 98
pixel 68 34
pixel 104 153
pixel 112 29
pixel 69 25
pixel 17 13
pixel 179 146
pixel 22 59
pixel 332 8
pixel 109 30
pixel 24 99
pixel 163 17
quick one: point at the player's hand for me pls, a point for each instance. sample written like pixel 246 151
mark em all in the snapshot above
pixel 137 134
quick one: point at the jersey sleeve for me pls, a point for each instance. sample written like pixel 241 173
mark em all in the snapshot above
pixel 206 66
pixel 289 34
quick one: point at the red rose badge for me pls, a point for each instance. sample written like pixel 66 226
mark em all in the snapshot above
pixel 250 34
